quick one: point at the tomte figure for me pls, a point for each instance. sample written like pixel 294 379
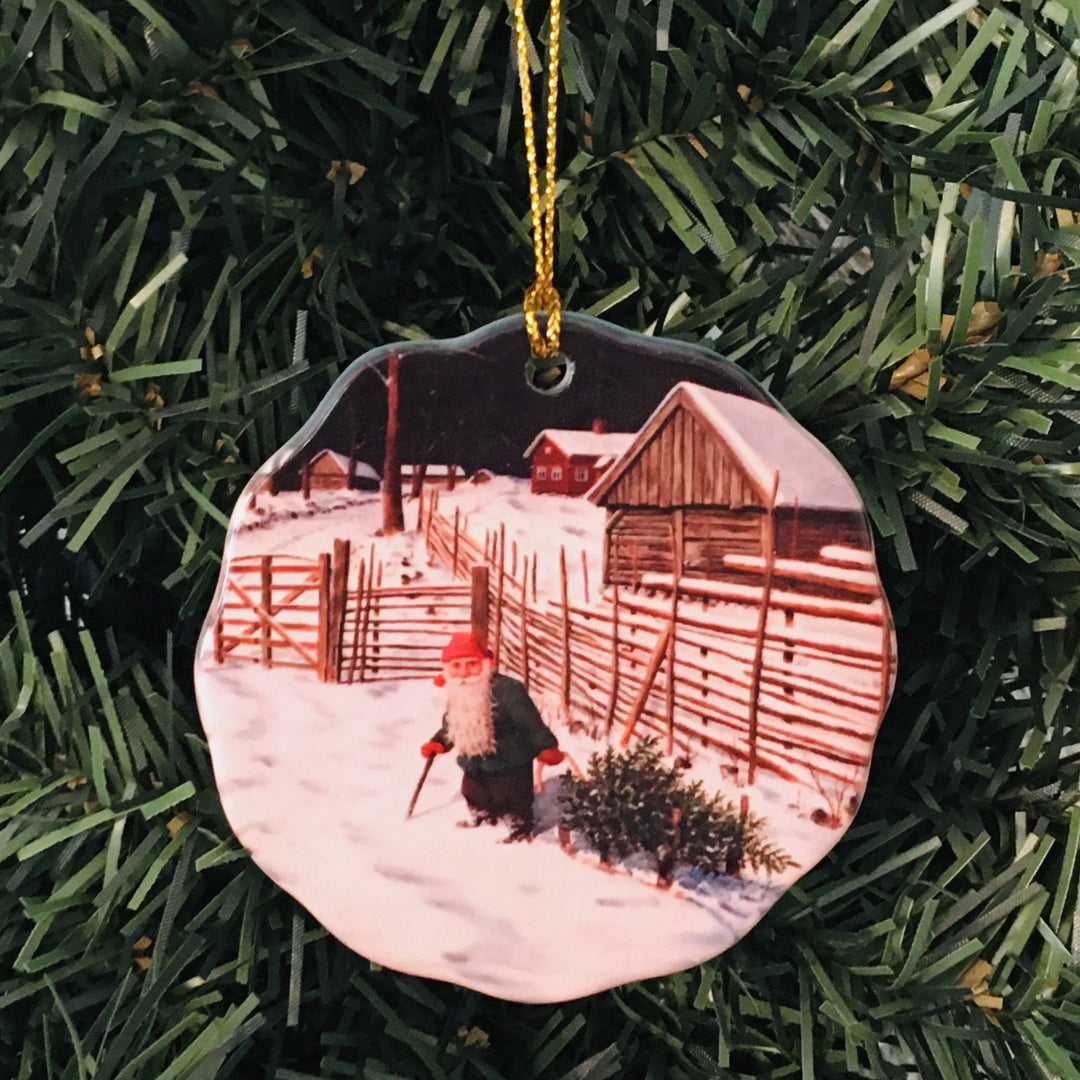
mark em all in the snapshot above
pixel 497 731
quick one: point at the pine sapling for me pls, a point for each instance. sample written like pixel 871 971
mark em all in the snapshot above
pixel 633 803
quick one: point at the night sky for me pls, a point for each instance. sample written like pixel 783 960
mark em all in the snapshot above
pixel 466 401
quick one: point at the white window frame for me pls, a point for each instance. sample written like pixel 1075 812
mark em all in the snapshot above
pixel 541 472
pixel 581 472
pixel 556 472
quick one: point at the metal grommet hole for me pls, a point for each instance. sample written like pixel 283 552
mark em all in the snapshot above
pixel 550 378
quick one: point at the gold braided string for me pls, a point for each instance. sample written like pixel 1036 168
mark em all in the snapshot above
pixel 542 296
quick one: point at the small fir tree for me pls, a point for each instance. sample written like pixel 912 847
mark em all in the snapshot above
pixel 716 838
pixel 624 803
pixel 632 802
pixel 711 832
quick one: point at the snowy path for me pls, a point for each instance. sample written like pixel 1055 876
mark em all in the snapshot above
pixel 316 788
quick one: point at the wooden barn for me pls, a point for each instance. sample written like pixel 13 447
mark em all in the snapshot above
pixel 330 471
pixel 713 474
pixel 569 462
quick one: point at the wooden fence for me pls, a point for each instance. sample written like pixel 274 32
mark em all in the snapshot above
pixel 397 631
pixel 786 668
pixel 286 611
pixel 765 671
pixel 275 612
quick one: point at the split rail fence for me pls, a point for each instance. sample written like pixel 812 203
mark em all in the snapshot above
pixel 390 631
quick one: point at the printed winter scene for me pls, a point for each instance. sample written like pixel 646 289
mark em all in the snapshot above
pixel 543 729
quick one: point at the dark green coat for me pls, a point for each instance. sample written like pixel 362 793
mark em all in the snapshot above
pixel 520 734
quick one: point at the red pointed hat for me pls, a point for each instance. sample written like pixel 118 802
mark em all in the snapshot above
pixel 463 646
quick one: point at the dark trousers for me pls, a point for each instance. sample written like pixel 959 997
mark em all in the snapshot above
pixel 509 793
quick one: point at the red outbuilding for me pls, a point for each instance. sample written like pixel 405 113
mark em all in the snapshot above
pixel 568 462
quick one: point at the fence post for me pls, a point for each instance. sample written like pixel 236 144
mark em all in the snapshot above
pixel 677 524
pixel 339 594
pixel 585 572
pixel 525 668
pixel 479 614
pixel 358 615
pixel 376 607
pixel 324 616
pixel 763 618
pixel 609 719
pixel 365 613
pixel 219 642
pixel 789 651
pixel 266 599
pixel 565 685
pixel 499 592
pixel 454 549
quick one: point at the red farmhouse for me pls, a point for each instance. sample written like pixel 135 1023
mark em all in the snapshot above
pixel 570 462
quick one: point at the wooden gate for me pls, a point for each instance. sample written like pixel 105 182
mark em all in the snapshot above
pixel 275 612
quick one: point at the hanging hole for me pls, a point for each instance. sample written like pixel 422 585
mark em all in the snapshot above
pixel 549 378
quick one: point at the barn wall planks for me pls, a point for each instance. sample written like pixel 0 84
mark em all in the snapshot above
pixel 802 533
pixel 642 542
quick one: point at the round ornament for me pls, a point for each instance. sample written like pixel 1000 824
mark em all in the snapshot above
pixel 541 693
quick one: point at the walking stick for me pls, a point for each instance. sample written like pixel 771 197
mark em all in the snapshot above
pixel 419 784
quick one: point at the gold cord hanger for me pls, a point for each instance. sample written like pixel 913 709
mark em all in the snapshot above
pixel 542 296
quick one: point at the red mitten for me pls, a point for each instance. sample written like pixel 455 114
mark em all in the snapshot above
pixel 552 756
pixel 430 749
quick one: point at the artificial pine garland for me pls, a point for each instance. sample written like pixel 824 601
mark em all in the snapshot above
pixel 209 209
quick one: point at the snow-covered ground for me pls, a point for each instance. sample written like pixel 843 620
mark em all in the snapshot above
pixel 315 779
pixel 538 524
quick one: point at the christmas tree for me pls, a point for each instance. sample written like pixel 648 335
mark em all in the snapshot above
pixel 623 804
pixel 632 802
pixel 209 209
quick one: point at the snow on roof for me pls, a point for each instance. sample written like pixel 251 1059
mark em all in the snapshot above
pixel 431 471
pixel 764 439
pixel 363 469
pixel 772 441
pixel 575 443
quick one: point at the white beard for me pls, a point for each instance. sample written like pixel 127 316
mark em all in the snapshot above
pixel 468 715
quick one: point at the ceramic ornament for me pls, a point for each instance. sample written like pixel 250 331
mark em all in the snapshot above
pixel 544 693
